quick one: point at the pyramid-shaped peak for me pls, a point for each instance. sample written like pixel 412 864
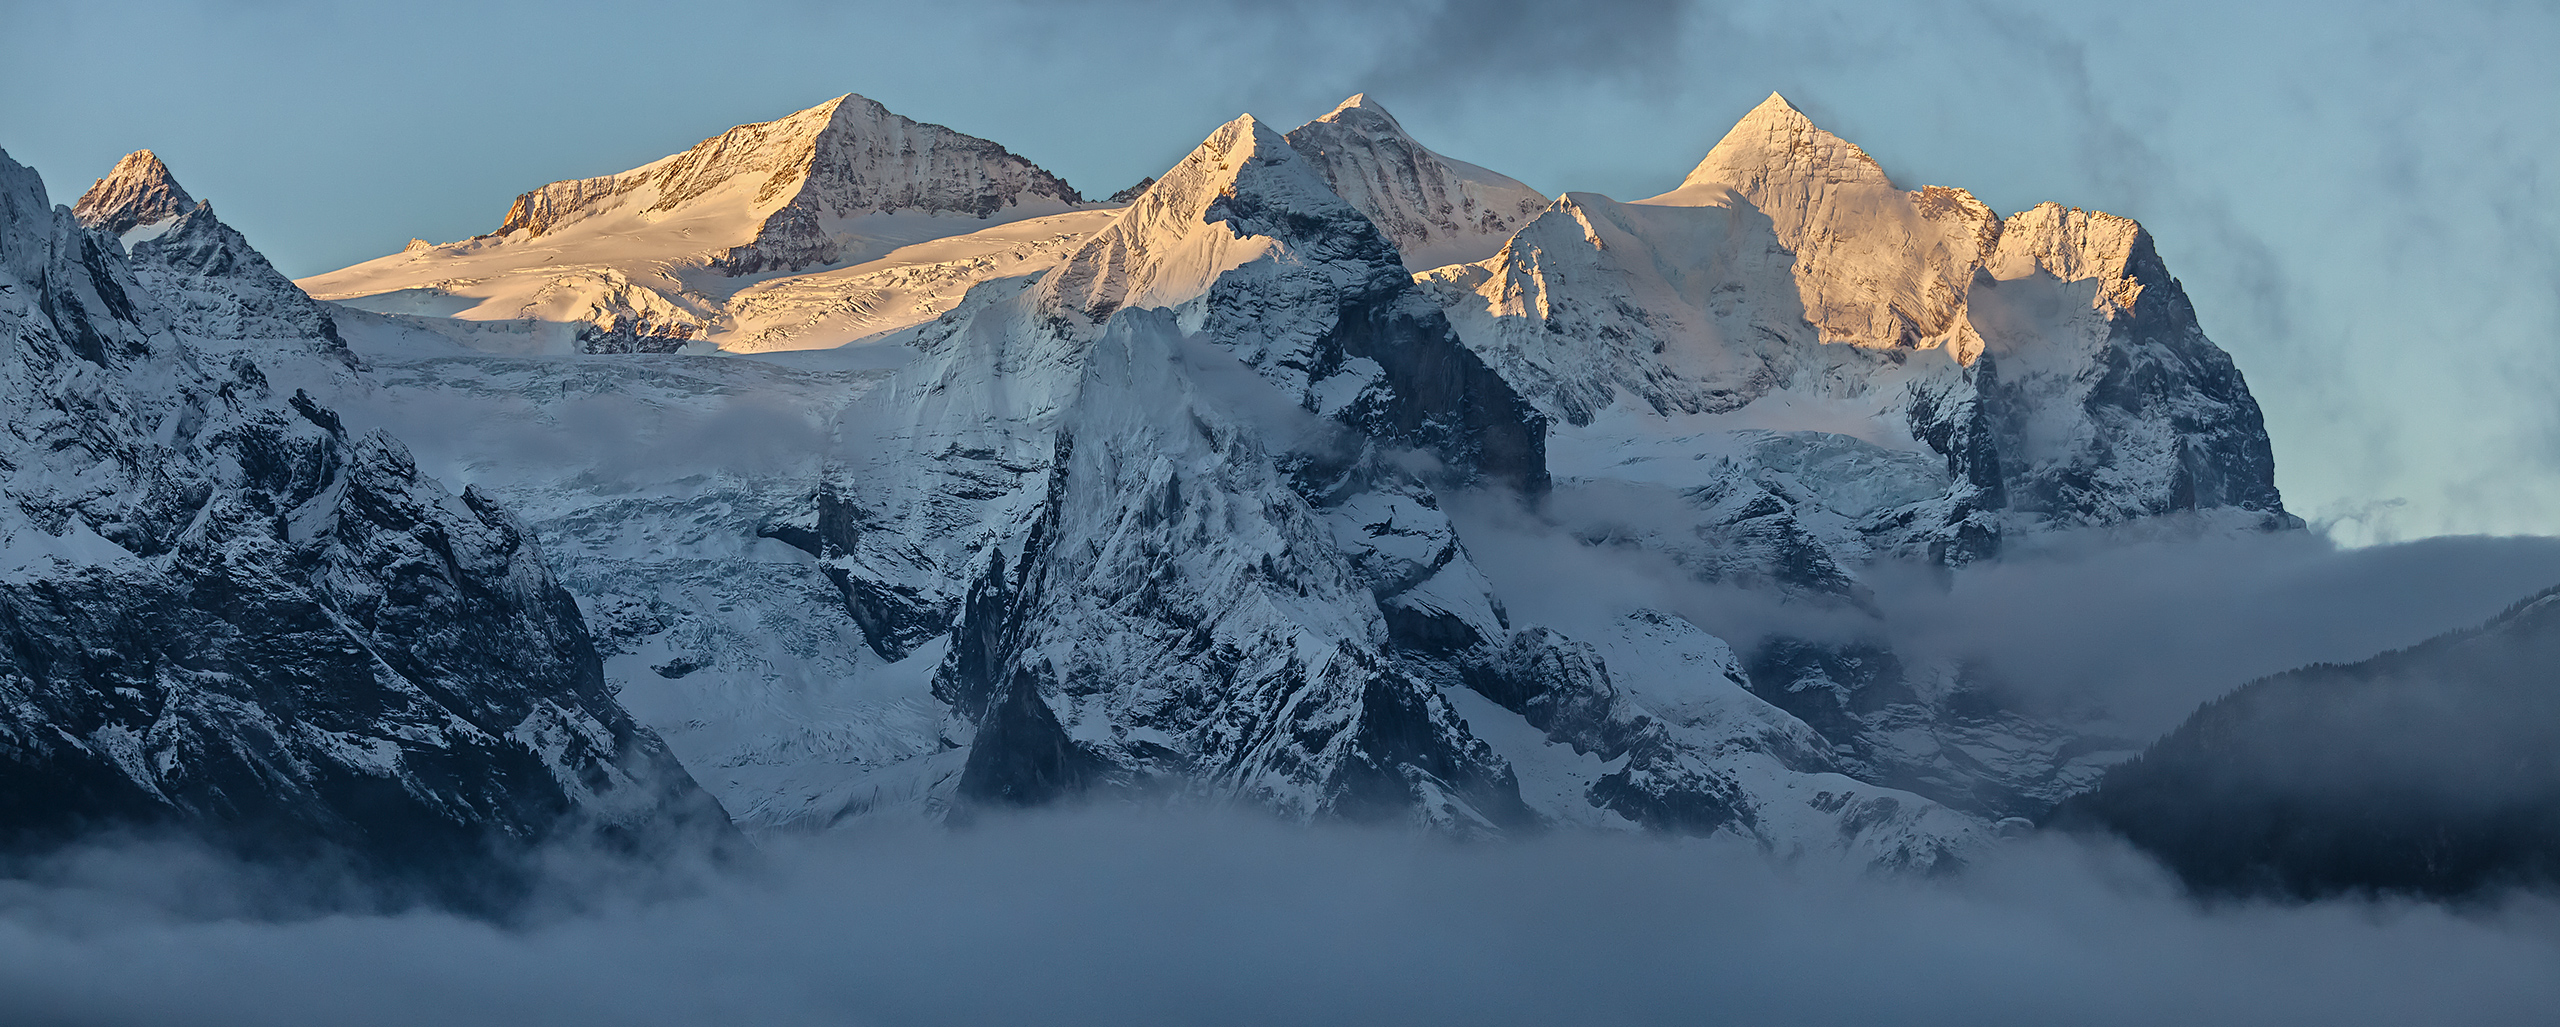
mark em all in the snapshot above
pixel 845 158
pixel 1237 138
pixel 139 191
pixel 1242 156
pixel 1775 108
pixel 1775 146
pixel 1437 210
pixel 1243 193
pixel 856 105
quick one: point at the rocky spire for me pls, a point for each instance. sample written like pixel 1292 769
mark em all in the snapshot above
pixel 140 191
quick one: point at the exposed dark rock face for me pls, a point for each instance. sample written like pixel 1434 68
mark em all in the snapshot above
pixel 224 614
pixel 1022 756
pixel 1833 688
pixel 895 618
pixel 1133 192
pixel 628 333
pixel 2426 771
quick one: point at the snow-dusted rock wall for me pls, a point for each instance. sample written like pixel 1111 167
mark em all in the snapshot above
pixel 226 614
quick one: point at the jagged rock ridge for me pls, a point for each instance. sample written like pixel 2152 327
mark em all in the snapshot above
pixel 1816 370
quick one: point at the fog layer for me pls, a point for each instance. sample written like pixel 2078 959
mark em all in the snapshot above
pixel 1112 918
pixel 2140 625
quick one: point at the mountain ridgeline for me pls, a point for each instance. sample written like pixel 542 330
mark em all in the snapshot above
pixel 2426 771
pixel 1211 493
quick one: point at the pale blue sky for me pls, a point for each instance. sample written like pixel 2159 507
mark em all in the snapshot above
pixel 2363 198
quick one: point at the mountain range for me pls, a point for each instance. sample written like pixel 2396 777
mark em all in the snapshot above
pixel 881 475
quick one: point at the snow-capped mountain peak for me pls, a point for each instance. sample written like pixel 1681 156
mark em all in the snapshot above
pixel 1436 210
pixel 1878 267
pixel 1357 109
pixel 849 154
pixel 798 178
pixel 892 219
pixel 1772 148
pixel 140 191
pixel 1204 217
pixel 216 286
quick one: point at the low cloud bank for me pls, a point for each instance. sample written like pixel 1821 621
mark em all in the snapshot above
pixel 2143 624
pixel 2151 630
pixel 1118 918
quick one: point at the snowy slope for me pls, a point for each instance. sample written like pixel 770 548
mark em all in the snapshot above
pixel 663 487
pixel 904 288
pixel 647 260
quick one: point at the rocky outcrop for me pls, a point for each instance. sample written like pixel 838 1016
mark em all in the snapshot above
pixel 1133 192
